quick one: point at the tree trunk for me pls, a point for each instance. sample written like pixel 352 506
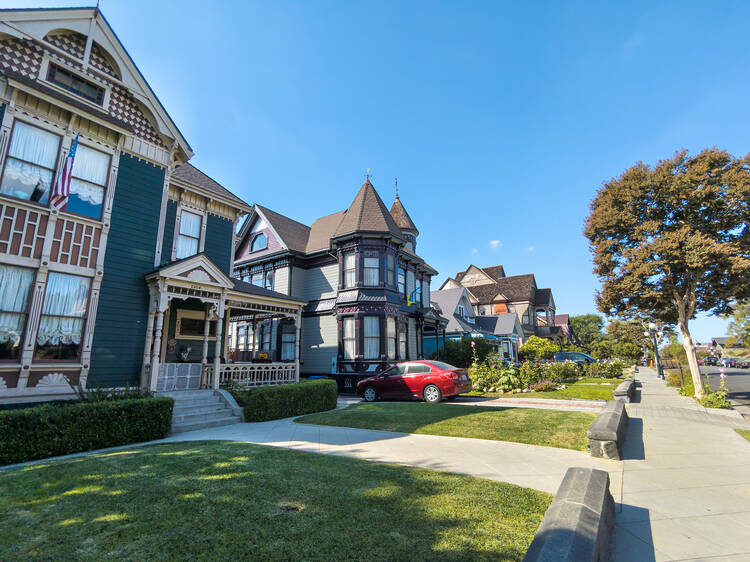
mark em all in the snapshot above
pixel 695 372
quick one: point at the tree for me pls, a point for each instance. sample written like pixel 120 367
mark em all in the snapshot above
pixel 672 240
pixel 739 324
pixel 536 348
pixel 587 328
pixel 460 353
pixel 628 331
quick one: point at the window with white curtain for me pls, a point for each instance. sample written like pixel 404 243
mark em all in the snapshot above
pixel 372 272
pixel 30 164
pixel 189 236
pixel 372 337
pixel 350 272
pixel 288 341
pixel 390 270
pixel 390 325
pixel 269 280
pixel 402 344
pixel 88 182
pixel 15 287
pixel 350 342
pixel 63 314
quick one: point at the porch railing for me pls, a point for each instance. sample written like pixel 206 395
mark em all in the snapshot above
pixel 253 374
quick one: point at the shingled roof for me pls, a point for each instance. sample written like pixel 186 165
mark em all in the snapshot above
pixel 192 175
pixel 543 297
pixel 367 213
pixel 294 234
pixel 496 271
pixel 322 230
pixel 402 218
pixel 517 287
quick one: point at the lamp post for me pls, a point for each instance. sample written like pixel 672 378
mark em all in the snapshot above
pixel 653 331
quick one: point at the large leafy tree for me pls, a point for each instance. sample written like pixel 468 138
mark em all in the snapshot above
pixel 739 324
pixel 672 240
pixel 588 329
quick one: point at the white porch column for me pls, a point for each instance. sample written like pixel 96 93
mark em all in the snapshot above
pixel 161 307
pixel 149 336
pixel 217 349
pixel 206 327
pixel 298 326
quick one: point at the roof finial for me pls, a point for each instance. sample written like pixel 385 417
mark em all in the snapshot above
pixel 368 174
pixel 396 182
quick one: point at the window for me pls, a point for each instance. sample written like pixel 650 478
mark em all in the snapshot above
pixel 88 183
pixel 526 317
pixel 288 341
pixel 417 368
pixel 15 286
pixel 390 324
pixel 349 340
pixel 63 314
pixel 241 337
pixel 402 344
pixel 425 293
pixel 410 286
pixel 30 164
pixel 349 270
pixel 75 84
pixel 260 242
pixel 257 279
pixel 372 337
pixel 189 235
pixel 265 337
pixel 418 294
pixel 246 278
pixel 460 310
pixel 372 272
pixel 269 280
pixel 401 281
pixel 191 325
pixel 390 270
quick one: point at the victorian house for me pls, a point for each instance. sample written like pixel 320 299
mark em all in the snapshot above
pixel 366 288
pixel 129 280
pixel 492 292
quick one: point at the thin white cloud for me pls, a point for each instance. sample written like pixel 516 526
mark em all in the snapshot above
pixel 474 251
pixel 495 243
pixel 530 248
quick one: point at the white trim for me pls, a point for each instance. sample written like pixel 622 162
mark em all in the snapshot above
pixel 42 78
pixel 193 315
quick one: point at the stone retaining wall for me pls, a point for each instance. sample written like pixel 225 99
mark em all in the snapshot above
pixel 607 433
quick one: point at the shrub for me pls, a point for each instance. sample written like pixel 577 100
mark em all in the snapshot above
pixel 563 370
pixel 494 374
pixel 715 400
pixel 536 348
pixel 531 373
pixel 543 386
pixel 265 403
pixel 609 369
pixel 687 389
pixel 461 354
pixel 60 429
pixel 673 379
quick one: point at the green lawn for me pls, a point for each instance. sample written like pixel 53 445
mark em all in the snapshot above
pixel 575 390
pixel 550 428
pixel 223 500
pixel 744 432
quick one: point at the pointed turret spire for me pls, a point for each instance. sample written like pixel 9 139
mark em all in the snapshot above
pixel 368 213
pixel 402 218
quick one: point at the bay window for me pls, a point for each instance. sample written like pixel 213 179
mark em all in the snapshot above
pixel 350 272
pixel 425 294
pixel 410 285
pixel 402 345
pixel 390 269
pixel 401 282
pixel 257 279
pixel 372 337
pixel 288 341
pixel 265 337
pixel 390 324
pixel 269 280
pixel 350 342
pixel 63 314
pixel 88 183
pixel 372 272
pixel 15 287
pixel 189 235
pixel 30 164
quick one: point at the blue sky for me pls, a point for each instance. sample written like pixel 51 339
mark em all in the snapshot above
pixel 500 119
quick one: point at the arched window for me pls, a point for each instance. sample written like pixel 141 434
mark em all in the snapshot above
pixel 260 242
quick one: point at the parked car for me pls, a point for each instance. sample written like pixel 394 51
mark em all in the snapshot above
pixel 577 356
pixel 728 362
pixel 710 361
pixel 744 363
pixel 430 381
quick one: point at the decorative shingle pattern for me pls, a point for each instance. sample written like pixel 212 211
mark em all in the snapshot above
pixel 368 213
pixel 20 56
pixel 402 218
pixel 122 106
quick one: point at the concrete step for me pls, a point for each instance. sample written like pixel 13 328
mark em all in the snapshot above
pixel 205 424
pixel 187 394
pixel 209 407
pixel 191 417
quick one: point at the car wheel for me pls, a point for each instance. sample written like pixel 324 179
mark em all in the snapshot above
pixel 432 394
pixel 370 394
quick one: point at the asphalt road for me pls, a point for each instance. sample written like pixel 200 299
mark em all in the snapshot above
pixel 738 383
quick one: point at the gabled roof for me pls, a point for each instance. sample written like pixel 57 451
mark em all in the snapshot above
pixel 490 273
pixel 495 271
pixel 322 230
pixel 517 287
pixel 499 324
pixel 543 297
pixel 402 218
pixel 488 293
pixel 447 300
pixel 367 213
pixel 562 319
pixel 193 176
pixel 293 234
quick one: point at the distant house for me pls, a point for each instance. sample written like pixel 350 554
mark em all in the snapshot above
pixel 567 334
pixel 367 289
pixel 492 292
pixel 502 331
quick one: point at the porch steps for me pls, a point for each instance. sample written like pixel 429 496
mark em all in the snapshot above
pixel 199 409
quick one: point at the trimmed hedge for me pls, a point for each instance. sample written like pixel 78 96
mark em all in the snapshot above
pixel 61 429
pixel 273 402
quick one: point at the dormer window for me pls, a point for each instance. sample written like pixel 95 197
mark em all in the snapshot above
pixel 460 310
pixel 73 83
pixel 260 242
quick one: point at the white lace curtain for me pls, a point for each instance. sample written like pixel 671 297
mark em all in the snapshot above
pixel 15 284
pixel 30 163
pixel 372 337
pixel 90 168
pixel 190 233
pixel 64 309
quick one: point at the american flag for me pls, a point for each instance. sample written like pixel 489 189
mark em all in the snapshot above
pixel 62 187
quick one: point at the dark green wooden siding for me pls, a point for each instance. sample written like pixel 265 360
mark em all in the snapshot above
pixel 218 245
pixel 169 218
pixel 119 336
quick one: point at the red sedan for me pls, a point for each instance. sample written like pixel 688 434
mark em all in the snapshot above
pixel 425 380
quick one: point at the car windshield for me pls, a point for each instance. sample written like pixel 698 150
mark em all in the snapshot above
pixel 441 365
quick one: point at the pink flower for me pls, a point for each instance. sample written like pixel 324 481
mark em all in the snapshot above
pixel 472 344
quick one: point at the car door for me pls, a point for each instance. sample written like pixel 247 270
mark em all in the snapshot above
pixel 392 382
pixel 415 379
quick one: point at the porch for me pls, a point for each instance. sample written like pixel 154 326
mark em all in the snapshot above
pixel 192 309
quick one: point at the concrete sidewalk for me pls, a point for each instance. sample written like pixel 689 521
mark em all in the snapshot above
pixel 686 481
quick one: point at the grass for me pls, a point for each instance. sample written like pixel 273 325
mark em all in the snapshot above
pixel 223 500
pixel 550 428
pixel 744 432
pixel 575 390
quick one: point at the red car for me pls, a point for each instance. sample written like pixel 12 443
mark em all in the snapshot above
pixel 426 380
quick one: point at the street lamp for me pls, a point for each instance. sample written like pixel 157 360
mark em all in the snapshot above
pixel 653 331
